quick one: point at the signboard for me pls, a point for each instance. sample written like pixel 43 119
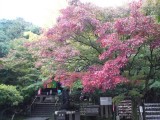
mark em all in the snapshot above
pixel 93 111
pixel 125 109
pixel 90 110
pixel 61 116
pixel 105 100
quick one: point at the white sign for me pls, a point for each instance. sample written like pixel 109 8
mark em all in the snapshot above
pixel 105 100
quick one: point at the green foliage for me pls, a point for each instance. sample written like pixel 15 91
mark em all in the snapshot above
pixel 19 70
pixel 19 66
pixel 28 91
pixel 152 7
pixel 3 49
pixel 118 99
pixel 156 84
pixel 9 95
pixel 77 85
pixel 1 62
pixel 89 49
pixel 12 29
pixel 86 41
pixel 135 94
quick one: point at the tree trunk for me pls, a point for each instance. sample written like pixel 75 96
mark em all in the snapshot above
pixel 134 110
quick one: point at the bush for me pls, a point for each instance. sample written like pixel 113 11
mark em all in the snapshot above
pixel 9 95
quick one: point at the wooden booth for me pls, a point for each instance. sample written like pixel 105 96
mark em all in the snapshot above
pixel 49 92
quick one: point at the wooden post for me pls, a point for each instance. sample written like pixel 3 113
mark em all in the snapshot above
pixel 117 115
pixel 70 116
pixel 106 111
pixel 41 99
pixel 101 107
pixel 109 111
pixel 77 116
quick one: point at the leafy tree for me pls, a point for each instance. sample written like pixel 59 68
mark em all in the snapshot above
pixel 19 70
pixel 152 7
pixel 65 54
pixel 19 66
pixel 103 52
pixel 86 33
pixel 9 95
pixel 10 98
pixel 12 29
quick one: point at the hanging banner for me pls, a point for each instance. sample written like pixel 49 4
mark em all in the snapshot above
pixel 54 84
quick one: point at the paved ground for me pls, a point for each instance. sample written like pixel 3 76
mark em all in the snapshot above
pixel 37 118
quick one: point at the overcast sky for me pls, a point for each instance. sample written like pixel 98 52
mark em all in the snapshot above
pixel 42 12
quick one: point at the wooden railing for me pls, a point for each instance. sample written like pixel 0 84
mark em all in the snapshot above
pixel 31 106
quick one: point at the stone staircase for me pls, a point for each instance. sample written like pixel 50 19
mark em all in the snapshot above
pixel 43 109
pixel 152 111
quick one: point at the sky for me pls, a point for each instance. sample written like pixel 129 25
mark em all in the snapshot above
pixel 43 12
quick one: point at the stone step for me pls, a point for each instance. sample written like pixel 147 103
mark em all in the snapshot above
pixel 40 115
pixel 43 110
pixel 45 105
pixel 37 118
pixel 37 107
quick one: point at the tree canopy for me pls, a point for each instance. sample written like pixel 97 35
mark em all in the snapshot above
pixel 12 29
pixel 104 49
pixel 91 47
pixel 9 95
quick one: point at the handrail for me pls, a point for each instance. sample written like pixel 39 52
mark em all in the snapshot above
pixel 33 101
pixel 32 104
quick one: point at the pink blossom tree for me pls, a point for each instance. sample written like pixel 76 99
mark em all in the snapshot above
pixel 103 52
pixel 114 42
